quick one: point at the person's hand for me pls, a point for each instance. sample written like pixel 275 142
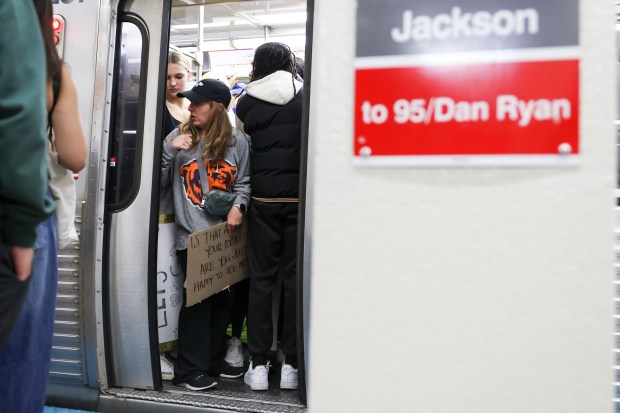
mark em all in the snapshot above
pixel 22 261
pixel 233 219
pixel 182 142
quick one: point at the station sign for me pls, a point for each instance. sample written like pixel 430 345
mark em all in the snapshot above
pixel 474 82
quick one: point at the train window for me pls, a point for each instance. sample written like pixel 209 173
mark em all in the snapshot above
pixel 124 159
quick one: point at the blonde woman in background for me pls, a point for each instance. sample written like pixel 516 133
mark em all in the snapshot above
pixel 176 107
pixel 214 74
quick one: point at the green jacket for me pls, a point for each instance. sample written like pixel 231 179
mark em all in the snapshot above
pixel 23 120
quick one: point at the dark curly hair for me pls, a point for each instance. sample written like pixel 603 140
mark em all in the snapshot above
pixel 299 66
pixel 271 57
pixel 45 14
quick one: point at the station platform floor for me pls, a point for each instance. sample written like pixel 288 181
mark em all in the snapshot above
pixel 63 410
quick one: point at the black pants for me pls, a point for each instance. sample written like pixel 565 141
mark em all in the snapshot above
pixel 240 293
pixel 272 246
pixel 12 294
pixel 202 334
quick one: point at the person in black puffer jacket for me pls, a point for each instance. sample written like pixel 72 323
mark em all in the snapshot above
pixel 270 113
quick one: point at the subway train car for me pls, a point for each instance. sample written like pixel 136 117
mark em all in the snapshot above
pixel 105 347
pixel 445 278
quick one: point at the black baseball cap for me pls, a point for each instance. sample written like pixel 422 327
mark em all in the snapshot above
pixel 208 90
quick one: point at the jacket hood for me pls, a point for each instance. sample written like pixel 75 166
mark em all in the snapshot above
pixel 276 88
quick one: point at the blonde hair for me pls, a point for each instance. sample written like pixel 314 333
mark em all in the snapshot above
pixel 178 58
pixel 217 133
pixel 217 76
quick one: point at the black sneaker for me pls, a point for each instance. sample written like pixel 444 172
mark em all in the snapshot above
pixel 231 372
pixel 201 382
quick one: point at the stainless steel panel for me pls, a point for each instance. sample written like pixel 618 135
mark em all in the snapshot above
pixel 93 209
pixel 67 314
pixel 87 48
pixel 66 340
pixel 67 355
pixel 128 302
pixel 66 366
pixel 68 287
pixel 129 236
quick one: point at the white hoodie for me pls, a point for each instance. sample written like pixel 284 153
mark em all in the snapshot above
pixel 276 88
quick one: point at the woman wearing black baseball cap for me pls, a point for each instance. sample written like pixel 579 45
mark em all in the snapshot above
pixel 205 156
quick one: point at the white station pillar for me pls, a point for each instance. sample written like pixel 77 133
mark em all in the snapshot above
pixel 469 268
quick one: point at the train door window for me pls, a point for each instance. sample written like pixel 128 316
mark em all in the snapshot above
pixel 124 159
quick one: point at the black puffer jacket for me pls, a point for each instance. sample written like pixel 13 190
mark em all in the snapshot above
pixel 270 113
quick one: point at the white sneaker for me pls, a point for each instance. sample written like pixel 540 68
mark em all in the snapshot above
pixel 288 377
pixel 167 368
pixel 257 378
pixel 234 355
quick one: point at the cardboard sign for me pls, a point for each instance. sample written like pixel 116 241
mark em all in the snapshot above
pixel 216 259
pixel 169 286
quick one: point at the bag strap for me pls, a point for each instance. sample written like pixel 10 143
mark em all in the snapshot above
pixel 204 177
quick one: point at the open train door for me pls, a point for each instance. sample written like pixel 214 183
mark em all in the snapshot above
pixel 131 204
pixel 104 328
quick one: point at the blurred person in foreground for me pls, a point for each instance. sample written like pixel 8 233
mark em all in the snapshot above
pixel 25 361
pixel 23 171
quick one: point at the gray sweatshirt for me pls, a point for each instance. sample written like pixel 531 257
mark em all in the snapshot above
pixel 180 172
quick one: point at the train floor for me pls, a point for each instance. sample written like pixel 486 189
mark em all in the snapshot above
pixel 229 394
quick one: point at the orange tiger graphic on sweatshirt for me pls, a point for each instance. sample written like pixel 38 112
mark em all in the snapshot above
pixel 221 175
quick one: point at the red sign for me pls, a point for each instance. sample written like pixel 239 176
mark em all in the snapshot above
pixel 517 108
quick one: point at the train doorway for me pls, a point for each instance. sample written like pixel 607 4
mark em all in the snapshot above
pixel 118 297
